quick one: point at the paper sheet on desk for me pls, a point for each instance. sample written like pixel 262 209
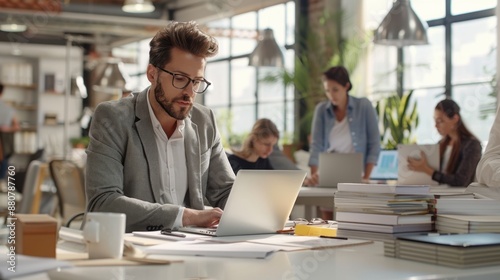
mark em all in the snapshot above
pixel 157 234
pixel 213 249
pixel 250 246
pixel 294 242
pixel 25 265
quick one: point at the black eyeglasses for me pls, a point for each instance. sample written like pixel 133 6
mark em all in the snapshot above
pixel 181 81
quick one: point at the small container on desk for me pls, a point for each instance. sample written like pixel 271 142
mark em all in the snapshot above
pixel 36 235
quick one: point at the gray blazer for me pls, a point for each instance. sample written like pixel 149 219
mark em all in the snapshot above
pixel 122 173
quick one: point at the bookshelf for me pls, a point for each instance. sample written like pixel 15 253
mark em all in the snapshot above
pixel 26 88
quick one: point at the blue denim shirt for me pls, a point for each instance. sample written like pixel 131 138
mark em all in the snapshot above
pixel 363 123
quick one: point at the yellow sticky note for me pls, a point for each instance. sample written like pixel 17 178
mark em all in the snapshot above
pixel 315 230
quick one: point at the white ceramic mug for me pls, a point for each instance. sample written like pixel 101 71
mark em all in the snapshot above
pixel 104 234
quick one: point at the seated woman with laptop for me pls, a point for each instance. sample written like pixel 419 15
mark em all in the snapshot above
pixel 256 148
pixel 459 149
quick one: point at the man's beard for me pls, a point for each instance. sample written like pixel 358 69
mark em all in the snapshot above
pixel 168 105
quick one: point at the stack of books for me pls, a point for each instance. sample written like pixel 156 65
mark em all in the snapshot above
pixel 467 215
pixel 455 250
pixel 484 191
pixel 362 209
pixel 467 223
pixel 467 206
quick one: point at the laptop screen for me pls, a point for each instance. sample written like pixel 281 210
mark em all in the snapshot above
pixel 387 166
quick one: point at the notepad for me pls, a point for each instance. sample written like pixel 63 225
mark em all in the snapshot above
pixel 457 240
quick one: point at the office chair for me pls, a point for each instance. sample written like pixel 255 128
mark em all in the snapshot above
pixel 22 162
pixel 70 185
pixel 29 187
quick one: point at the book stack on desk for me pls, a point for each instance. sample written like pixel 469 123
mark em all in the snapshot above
pixel 467 206
pixel 467 215
pixel 388 209
pixel 455 250
pixel 467 223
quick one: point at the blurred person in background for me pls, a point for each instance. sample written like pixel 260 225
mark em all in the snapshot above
pixel 459 149
pixel 8 126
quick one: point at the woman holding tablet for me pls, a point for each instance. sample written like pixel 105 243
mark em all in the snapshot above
pixel 459 149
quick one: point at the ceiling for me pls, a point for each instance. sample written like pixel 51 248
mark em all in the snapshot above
pixel 89 21
pixel 103 25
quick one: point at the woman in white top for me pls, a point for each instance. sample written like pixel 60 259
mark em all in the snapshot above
pixel 343 124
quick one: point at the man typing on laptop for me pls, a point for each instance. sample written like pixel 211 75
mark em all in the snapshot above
pixel 157 155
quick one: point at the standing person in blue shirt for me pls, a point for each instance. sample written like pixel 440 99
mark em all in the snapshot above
pixel 343 124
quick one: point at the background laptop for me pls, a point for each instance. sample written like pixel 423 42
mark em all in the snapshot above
pixel 409 177
pixel 387 166
pixel 260 202
pixel 337 168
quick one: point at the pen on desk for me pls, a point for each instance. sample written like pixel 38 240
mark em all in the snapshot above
pixel 333 237
pixel 169 232
pixel 291 230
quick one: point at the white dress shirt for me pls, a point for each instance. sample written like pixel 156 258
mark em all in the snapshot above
pixel 488 168
pixel 173 161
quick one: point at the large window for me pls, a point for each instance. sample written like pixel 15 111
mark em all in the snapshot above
pixel 238 95
pixel 459 62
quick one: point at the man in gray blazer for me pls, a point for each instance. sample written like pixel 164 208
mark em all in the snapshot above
pixel 157 156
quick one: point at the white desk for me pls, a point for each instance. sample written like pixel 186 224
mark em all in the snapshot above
pixel 356 262
pixel 311 197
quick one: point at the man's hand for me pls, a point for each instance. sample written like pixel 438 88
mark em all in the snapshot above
pixel 201 218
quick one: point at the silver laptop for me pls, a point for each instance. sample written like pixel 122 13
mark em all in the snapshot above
pixel 409 177
pixel 260 202
pixel 337 168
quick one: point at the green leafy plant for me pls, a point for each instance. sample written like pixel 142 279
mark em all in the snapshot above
pixel 80 142
pixel 229 138
pixel 398 119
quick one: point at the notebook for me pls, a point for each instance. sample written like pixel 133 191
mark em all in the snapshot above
pixel 337 168
pixel 260 202
pixel 465 240
pixel 409 177
pixel 387 166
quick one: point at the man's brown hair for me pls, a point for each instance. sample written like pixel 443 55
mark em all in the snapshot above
pixel 182 35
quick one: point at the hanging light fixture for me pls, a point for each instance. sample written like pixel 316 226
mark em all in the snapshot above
pixel 138 6
pixel 401 27
pixel 267 52
pixel 11 25
pixel 111 78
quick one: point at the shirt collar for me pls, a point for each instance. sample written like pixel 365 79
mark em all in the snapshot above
pixel 156 123
pixel 329 108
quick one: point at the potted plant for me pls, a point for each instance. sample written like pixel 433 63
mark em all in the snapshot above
pixel 398 119
pixel 80 142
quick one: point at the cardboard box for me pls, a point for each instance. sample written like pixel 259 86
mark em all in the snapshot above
pixel 36 235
